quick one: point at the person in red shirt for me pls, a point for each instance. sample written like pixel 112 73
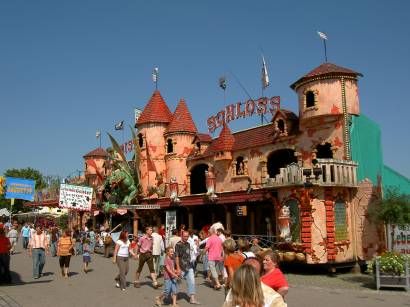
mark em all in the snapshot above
pixel 5 247
pixel 272 275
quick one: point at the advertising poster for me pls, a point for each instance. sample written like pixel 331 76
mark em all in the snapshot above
pixel 75 197
pixel 170 224
pixel 400 241
pixel 19 188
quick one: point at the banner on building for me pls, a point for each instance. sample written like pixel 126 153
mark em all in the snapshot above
pixel 75 197
pixel 170 224
pixel 399 240
pixel 19 188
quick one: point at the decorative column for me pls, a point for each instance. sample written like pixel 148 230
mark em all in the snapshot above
pixel 135 222
pixel 306 220
pixel 346 132
pixel 188 184
pixel 252 216
pixel 228 221
pixel 330 225
pixel 190 219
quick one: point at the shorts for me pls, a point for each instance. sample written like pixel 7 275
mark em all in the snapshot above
pixel 213 265
pixel 146 257
pixel 86 258
pixel 170 287
pixel 64 261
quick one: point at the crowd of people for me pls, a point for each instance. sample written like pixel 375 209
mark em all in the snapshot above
pixel 249 274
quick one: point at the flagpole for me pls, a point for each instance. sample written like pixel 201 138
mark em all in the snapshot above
pixel 100 140
pixel 261 112
pixel 324 43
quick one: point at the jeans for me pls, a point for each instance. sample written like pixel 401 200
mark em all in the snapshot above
pixel 170 287
pixel 25 242
pixel 53 248
pixel 190 280
pixel 39 260
pixel 205 263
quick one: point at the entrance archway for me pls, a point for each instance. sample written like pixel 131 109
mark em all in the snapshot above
pixel 279 159
pixel 198 183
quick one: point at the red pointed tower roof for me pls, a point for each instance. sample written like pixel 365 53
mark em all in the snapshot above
pixel 156 111
pixel 98 152
pixel 182 119
pixel 225 141
pixel 326 69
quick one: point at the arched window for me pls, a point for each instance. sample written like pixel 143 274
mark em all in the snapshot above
pixel 324 151
pixel 198 179
pixel 293 205
pixel 140 140
pixel 170 146
pixel 240 166
pixel 279 159
pixel 310 99
pixel 281 125
pixel 340 220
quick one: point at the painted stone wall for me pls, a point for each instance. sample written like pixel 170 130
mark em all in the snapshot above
pixel 176 161
pixel 154 142
pixel 370 236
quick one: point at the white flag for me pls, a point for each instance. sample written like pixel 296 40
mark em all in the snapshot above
pixel 322 35
pixel 265 77
pixel 155 74
pixel 98 134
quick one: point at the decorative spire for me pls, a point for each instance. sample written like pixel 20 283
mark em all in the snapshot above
pixel 156 111
pixel 182 120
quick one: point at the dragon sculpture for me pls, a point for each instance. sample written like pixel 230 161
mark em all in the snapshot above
pixel 122 186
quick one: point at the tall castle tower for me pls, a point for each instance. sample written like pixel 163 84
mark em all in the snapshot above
pixel 327 94
pixel 152 124
pixel 179 139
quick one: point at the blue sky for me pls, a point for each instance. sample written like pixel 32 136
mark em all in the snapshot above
pixel 70 68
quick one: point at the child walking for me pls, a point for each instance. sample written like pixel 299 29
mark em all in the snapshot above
pixel 170 278
pixel 86 254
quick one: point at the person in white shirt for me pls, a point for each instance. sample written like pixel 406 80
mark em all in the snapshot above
pixel 174 239
pixel 122 252
pixel 158 248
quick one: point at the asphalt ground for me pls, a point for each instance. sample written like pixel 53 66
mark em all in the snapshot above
pixel 97 288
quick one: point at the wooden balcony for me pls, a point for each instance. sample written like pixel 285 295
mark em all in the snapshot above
pixel 334 173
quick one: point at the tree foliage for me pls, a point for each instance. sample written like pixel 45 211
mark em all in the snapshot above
pixel 26 173
pixel 394 208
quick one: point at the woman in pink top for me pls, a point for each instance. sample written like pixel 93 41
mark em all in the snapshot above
pixel 214 249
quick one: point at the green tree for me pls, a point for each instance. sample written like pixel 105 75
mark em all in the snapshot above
pixel 26 173
pixel 394 208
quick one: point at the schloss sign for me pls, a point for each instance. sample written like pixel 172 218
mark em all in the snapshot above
pixel 243 109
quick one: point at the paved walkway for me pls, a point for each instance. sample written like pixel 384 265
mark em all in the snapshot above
pixel 97 288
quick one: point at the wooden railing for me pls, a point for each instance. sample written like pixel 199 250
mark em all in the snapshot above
pixel 334 173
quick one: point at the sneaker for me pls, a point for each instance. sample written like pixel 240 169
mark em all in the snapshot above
pixel 117 284
pixel 195 302
pixel 123 289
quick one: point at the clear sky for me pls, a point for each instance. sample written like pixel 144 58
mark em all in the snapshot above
pixel 70 68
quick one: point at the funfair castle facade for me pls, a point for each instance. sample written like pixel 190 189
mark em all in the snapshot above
pixel 302 179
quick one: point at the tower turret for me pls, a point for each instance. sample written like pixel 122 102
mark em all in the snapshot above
pixel 151 125
pixel 327 91
pixel 179 138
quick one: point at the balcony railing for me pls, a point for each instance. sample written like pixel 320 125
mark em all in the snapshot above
pixel 334 173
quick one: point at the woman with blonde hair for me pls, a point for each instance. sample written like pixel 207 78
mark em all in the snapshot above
pixel 246 290
pixel 232 261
